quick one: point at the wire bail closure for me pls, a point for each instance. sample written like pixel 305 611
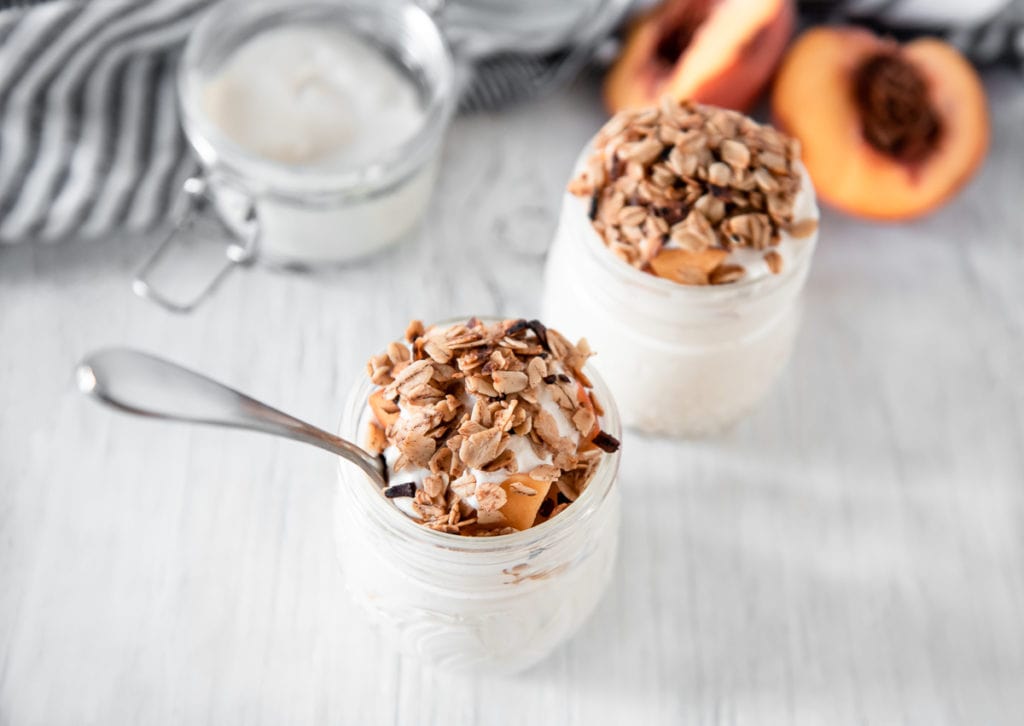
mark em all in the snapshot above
pixel 202 207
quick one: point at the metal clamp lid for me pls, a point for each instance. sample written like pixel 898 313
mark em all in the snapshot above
pixel 196 241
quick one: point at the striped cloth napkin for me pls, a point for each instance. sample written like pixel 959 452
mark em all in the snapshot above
pixel 89 135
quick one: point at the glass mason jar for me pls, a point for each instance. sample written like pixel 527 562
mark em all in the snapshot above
pixel 680 360
pixel 306 215
pixel 476 604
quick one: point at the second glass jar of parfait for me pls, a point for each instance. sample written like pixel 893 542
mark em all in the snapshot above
pixel 681 360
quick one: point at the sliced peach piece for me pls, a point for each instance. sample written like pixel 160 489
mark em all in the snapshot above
pixel 384 410
pixel 720 53
pixel 520 509
pixel 584 398
pixel 888 131
pixel 685 267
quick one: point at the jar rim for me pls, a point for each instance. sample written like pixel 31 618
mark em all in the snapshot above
pixel 572 204
pixel 577 513
pixel 222 154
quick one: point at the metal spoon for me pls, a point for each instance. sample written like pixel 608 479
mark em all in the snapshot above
pixel 146 385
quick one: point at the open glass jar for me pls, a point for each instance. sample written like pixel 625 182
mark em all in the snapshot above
pixel 476 604
pixel 681 360
pixel 332 209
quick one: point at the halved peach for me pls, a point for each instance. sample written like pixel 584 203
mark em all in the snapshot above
pixel 888 131
pixel 520 509
pixel 720 53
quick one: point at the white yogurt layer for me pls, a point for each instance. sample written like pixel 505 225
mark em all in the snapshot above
pixel 312 96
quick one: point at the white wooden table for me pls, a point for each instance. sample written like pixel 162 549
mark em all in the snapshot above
pixel 851 554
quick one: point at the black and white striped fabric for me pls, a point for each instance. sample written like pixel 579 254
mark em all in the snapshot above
pixel 987 31
pixel 89 135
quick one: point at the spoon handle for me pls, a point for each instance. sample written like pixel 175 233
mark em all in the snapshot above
pixel 146 385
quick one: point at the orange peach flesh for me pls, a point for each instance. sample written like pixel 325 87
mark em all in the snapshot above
pixel 727 61
pixel 813 101
pixel 520 510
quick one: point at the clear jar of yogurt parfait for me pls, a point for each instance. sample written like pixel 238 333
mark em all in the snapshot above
pixel 487 553
pixel 693 298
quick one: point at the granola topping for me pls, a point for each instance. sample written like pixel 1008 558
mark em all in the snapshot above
pixel 491 428
pixel 694 193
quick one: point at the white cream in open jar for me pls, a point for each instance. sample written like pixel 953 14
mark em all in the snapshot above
pixel 490 597
pixel 681 360
pixel 323 119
